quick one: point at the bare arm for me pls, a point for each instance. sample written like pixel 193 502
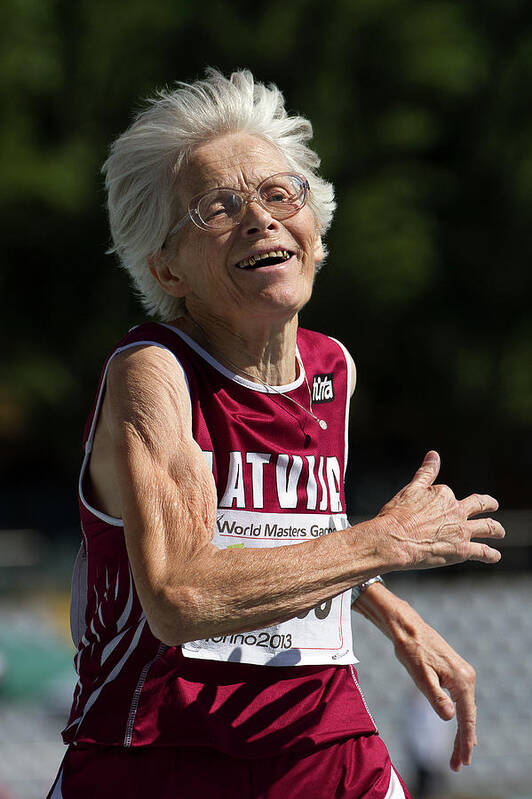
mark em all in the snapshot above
pixel 189 589
pixel 430 661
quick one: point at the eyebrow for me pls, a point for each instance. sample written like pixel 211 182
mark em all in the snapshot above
pixel 255 182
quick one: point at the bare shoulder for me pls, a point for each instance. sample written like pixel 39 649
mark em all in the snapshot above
pixel 145 417
pixel 147 394
pixel 146 371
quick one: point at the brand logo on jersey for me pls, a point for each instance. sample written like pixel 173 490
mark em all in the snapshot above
pixel 322 388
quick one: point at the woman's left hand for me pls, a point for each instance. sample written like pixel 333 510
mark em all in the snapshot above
pixel 433 664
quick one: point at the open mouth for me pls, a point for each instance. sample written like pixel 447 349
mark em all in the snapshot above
pixel 265 259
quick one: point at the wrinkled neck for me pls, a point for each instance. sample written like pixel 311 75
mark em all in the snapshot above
pixel 264 355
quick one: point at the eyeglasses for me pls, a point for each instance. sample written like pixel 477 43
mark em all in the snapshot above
pixel 282 195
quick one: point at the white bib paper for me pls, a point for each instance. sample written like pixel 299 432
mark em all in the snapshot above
pixel 317 637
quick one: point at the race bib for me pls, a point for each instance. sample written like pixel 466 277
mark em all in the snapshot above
pixel 319 636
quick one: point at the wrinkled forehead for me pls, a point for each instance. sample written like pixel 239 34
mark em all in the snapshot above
pixel 237 161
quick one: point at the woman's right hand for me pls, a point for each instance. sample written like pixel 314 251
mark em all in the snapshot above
pixel 430 527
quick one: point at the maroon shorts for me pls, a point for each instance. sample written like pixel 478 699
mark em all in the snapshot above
pixel 355 769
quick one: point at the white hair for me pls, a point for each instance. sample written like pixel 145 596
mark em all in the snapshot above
pixel 142 170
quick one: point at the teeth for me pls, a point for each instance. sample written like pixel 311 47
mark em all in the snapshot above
pixel 252 260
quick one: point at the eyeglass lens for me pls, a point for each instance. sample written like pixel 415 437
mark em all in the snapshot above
pixel 282 195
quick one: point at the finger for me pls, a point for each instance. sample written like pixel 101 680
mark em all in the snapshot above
pixel 459 534
pixel 440 701
pixel 478 503
pixel 466 718
pixel 466 714
pixel 428 471
pixel 429 684
pixel 484 528
pixel 442 704
pixel 483 553
pixel 456 760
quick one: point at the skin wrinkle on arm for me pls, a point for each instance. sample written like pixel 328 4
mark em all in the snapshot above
pixel 189 589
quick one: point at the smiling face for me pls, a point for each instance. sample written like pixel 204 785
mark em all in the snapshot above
pixel 226 275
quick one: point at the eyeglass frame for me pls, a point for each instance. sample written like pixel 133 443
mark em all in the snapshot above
pixel 246 197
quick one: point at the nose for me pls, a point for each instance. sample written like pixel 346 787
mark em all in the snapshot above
pixel 256 218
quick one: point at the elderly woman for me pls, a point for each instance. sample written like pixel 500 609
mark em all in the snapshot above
pixel 212 594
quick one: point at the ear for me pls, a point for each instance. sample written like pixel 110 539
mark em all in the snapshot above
pixel 318 248
pixel 163 269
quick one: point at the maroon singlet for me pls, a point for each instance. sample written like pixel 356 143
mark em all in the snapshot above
pixel 134 690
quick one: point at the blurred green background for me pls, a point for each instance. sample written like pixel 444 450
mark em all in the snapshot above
pixel 423 120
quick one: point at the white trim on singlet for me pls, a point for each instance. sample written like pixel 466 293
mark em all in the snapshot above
pixel 232 375
pixel 113 674
pixel 113 520
pixel 78 593
pixel 349 367
pixel 264 389
pixel 56 792
pixel 395 789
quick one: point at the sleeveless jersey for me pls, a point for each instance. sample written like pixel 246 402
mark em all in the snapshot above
pixel 279 477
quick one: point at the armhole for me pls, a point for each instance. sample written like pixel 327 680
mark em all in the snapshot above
pixel 349 382
pixel 113 520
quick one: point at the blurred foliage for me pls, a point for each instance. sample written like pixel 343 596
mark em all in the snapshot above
pixel 422 118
